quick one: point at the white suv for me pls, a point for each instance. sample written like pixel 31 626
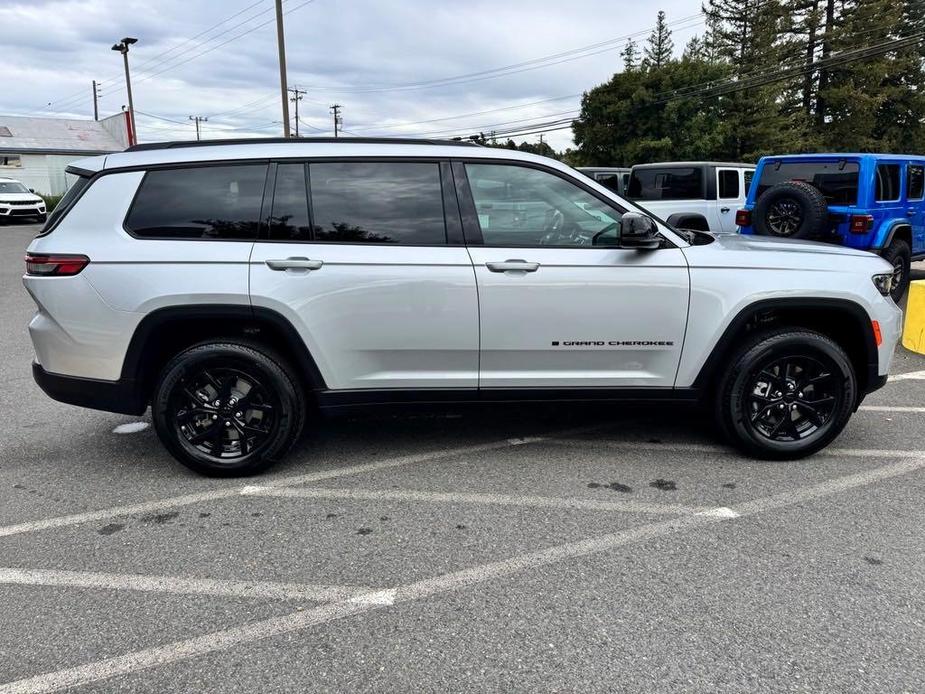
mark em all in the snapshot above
pixel 18 202
pixel 238 287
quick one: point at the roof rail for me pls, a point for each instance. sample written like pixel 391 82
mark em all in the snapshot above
pixel 293 140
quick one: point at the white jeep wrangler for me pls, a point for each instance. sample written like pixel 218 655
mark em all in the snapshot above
pixel 237 288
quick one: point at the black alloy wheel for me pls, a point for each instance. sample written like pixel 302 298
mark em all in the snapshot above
pixel 784 217
pixel 228 408
pixel 792 398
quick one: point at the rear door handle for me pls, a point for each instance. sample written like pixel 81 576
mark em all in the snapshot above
pixel 513 265
pixel 294 264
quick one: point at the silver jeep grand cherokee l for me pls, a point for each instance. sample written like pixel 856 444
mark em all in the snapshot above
pixel 239 287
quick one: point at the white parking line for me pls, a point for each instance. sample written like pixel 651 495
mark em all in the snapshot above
pixel 229 638
pixel 182 586
pixel 912 375
pixel 891 408
pixel 475 498
pixel 131 428
pixel 293 480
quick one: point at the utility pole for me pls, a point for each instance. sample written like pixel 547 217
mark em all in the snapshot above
pixel 296 98
pixel 284 91
pixel 198 119
pixel 338 119
pixel 122 47
pixel 96 96
pixel 541 139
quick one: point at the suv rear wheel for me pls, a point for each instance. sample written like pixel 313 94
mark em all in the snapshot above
pixel 787 394
pixel 899 255
pixel 228 408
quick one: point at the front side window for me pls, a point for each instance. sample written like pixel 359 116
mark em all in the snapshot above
pixel 206 202
pixel 521 206
pixel 377 202
pixel 887 183
pixel 837 180
pixel 916 182
pixel 728 183
pixel 676 183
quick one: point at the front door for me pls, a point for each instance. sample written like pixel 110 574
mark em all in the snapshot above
pixel 364 269
pixel 915 208
pixel 561 305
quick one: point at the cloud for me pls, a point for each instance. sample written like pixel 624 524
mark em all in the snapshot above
pixel 359 54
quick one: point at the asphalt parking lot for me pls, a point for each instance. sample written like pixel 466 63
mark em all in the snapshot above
pixel 556 549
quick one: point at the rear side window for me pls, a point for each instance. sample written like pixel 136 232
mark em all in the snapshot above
pixel 916 182
pixel 681 183
pixel 206 202
pixel 289 219
pixel 610 181
pixel 887 185
pixel 836 180
pixel 728 183
pixel 377 202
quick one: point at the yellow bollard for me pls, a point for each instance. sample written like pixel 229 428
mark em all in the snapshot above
pixel 914 328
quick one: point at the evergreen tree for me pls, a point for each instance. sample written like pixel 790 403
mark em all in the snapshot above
pixel 694 50
pixel 659 48
pixel 630 56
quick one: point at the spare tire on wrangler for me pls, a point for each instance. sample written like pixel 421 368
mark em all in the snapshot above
pixel 791 210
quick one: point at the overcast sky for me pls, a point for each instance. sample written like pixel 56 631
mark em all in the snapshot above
pixel 389 63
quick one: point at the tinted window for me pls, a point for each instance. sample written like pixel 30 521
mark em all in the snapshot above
pixel 837 180
pixel 683 183
pixel 887 186
pixel 749 175
pixel 77 187
pixel 400 202
pixel 610 181
pixel 208 202
pixel 916 182
pixel 520 206
pixel 289 216
pixel 728 183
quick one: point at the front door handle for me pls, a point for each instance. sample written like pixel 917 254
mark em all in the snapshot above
pixel 724 210
pixel 513 265
pixel 294 264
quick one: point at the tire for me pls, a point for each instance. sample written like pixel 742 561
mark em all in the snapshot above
pixel 748 401
pixel 899 255
pixel 229 373
pixel 791 210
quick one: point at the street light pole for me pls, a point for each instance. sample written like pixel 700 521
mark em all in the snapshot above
pixel 122 47
pixel 283 87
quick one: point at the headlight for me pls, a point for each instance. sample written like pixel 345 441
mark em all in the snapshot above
pixel 883 283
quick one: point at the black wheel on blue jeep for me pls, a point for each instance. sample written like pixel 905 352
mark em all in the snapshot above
pixel 786 394
pixel 791 210
pixel 899 255
pixel 228 408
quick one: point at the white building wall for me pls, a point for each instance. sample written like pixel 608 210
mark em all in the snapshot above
pixel 44 173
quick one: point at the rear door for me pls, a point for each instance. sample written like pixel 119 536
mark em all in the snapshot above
pixel 729 197
pixel 366 259
pixel 561 305
pixel 915 198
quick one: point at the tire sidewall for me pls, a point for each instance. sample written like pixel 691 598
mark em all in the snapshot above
pixel 813 211
pixel 250 361
pixel 900 249
pixel 734 397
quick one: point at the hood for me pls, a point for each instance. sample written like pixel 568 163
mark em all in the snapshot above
pixel 765 252
pixel 20 197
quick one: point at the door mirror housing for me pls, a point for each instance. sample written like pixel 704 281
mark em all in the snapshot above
pixel 639 232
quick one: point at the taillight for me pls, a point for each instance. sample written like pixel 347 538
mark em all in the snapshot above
pixel 55 265
pixel 860 223
pixel 743 218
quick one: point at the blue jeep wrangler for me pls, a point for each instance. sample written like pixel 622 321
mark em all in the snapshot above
pixel 874 202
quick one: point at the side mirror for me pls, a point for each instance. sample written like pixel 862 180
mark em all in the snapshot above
pixel 32 190
pixel 639 232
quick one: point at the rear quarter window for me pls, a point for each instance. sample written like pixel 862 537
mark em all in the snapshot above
pixel 676 183
pixel 836 180
pixel 205 202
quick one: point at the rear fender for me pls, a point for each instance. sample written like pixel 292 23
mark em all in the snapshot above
pixel 888 230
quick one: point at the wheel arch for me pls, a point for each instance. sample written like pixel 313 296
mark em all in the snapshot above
pixel 897 230
pixel 166 331
pixel 845 321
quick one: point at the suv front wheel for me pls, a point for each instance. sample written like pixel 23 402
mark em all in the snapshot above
pixel 786 394
pixel 227 408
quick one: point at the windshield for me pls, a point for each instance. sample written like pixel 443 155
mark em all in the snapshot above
pixel 12 187
pixel 837 180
